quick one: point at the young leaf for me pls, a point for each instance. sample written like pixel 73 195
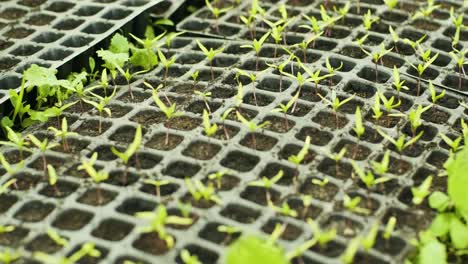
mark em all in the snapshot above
pixel 297 159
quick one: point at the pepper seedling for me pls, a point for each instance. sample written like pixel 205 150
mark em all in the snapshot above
pixel 285 108
pixel 397 82
pixel 52 234
pixel 368 178
pixel 337 157
pixel 421 68
pixel 186 257
pixel 52 173
pixel 328 21
pixel 414 117
pixel 299 158
pixel 395 38
pixel 223 118
pixel 332 70
pixel 129 152
pixel 434 96
pixel 230 231
pixel 425 12
pixel 420 192
pixel 210 54
pixel 336 103
pixel 201 192
pixel 368 241
pixel 16 140
pixel 321 183
pixel 377 57
pixel 170 112
pixel 257 46
pixel 322 236
pixel 63 134
pixel 352 204
pixel 251 126
pixel 389 228
pixel 6 229
pixel 145 56
pixel 285 209
pixel 157 184
pixel 6 186
pixel 216 12
pixel 218 176
pixel 170 38
pixel 194 77
pixel 96 176
pixel 166 63
pixel 267 183
pixel 43 147
pixel 304 45
pixel 459 57
pixel 315 77
pixel 101 107
pixel 204 96
pixel 381 167
pixel 359 129
pixel 276 31
pixel 400 143
pixel 210 129
pixel 368 19
pixel 301 80
pixel 389 105
pixel 250 21
pixel 306 202
pixel 87 249
pixel 453 144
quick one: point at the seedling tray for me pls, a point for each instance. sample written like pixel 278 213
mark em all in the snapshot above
pixel 60 34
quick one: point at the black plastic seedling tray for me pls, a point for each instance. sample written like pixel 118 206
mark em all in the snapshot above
pixel 33 208
pixel 61 34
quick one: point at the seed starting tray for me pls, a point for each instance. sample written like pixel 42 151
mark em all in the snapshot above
pixel 112 226
pixel 166 8
pixel 54 33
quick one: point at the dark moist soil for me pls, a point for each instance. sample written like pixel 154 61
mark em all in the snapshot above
pixel 18 33
pixel 263 142
pixel 302 212
pixel 328 119
pixel 329 167
pixel 43 243
pixel 210 232
pixel 272 169
pixel 72 219
pixel 75 145
pixel 258 195
pixel 91 128
pixel 344 226
pixel 184 123
pixel 32 3
pixel 181 169
pixel 91 197
pixel 240 213
pixel 201 150
pixel 291 149
pixel 325 193
pixel 112 230
pixel 354 150
pixel 7 202
pixel 132 206
pixel 332 249
pixel 14 238
pixel 120 178
pixel 64 188
pixel 25 181
pixel 227 183
pixel 201 203
pixel 278 124
pixel 240 161
pixel 221 133
pixel 34 211
pixel 164 190
pixel 158 141
pixel 317 137
pixel 291 232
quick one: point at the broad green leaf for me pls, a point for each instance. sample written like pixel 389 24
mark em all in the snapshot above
pixel 253 250
pixel 433 252
pixel 440 226
pixel 458 180
pixel 119 44
pixel 458 233
pixel 439 200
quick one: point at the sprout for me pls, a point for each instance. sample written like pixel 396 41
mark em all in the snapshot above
pixel 336 103
pixel 64 133
pixel 166 63
pixel 322 236
pixel 368 241
pixel 434 96
pixel 210 54
pixel 16 140
pixel 337 157
pixel 216 13
pixel 157 184
pixel 170 112
pixel 129 152
pixel 389 227
pixel 202 192
pixel 352 204
pixel 285 209
pixel 186 257
pixel 368 19
pixel 7 256
pixel 210 130
pixel 257 46
pixel 459 57
pixel 382 166
pixel 252 126
pixel 204 96
pixel 285 108
pixel 304 45
pixel 97 176
pixel 377 57
pixel 391 4
pixel 229 230
pixel 420 192
pixel 299 158
pixel 267 183
pixel 414 117
pixel 453 144
pixel 368 178
pixel 43 146
pixel 53 179
pixel 218 177
pixel 397 82
pixel 332 70
pixel 359 128
pixel 421 68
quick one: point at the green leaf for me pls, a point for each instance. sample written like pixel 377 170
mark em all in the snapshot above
pixel 458 233
pixel 439 200
pixel 253 250
pixel 433 252
pixel 458 180
pixel 143 58
pixel 119 44
pixel 441 224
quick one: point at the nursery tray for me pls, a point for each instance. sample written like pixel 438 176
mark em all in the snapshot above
pixel 166 8
pixel 60 34
pixel 113 227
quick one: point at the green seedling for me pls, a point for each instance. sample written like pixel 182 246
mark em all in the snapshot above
pixel 376 111
pixel 368 178
pixel 315 77
pixel 204 96
pixel 328 21
pixel 285 108
pixel 377 57
pixel 391 4
pixel 359 128
pixel 421 68
pixel 194 77
pixel 336 103
pixel 425 12
pixel 368 241
pixel 343 11
pixel 459 57
pixel 322 236
pixel 63 134
pixel 43 116
pixel 304 45
pixel 158 221
pixel 216 12
pixel 314 26
pixel 7 256
pixel 420 192
pixel 6 186
pixel 16 140
pixel 129 152
pixel 249 249
pixel 218 176
pixel 285 209
pixel 52 234
pixel 337 157
pixel 210 54
pixel 389 228
pixel 252 127
pixel 77 86
pixel 434 96
pixel 299 158
pixel 43 147
pixel 101 107
pixel 87 249
pixel 381 167
pixel 210 130
pixel 166 63
pixel 186 257
pixel 400 143
pixel 239 98
pixel 250 21
pixel 389 105
pixel 395 37
pixel 53 177
pixel 146 56
pixel 223 117
pixel 19 107
pixel 368 19
pixel 267 183
pixel 201 192
pixel 170 37
pixel 453 144
pixel 457 21
pixel 257 46
pixel 6 229
pixel 96 176
pixel 157 184
pixel 170 112
pixel 332 70
pixel 301 80
pixel 397 82
pixel 360 41
pixel 230 231
pixel 306 202
pixel 414 117
pixel 322 183
pixel 277 31
pixel 352 204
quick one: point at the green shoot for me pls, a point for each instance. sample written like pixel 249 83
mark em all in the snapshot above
pixel 425 12
pixel 322 236
pixel 306 202
pixel 285 209
pixel 186 257
pixel 414 117
pixel 299 158
pixel 96 176
pixel 251 126
pixel 63 134
pixel 100 107
pixel 420 192
pixel 16 140
pixel 391 4
pixel 359 128
pixel 332 70
pixel 321 183
pixel 368 178
pixel 267 183
pixel 315 76
pixel 6 229
pixel 170 112
pixel 250 249
pixel 459 57
pixel 377 112
pixel 229 231
pixel 395 37
pixel 421 68
pixel 6 186
pixel 285 108
pixel 360 41
pixel 377 57
pixel 223 117
pixel 368 241
pixel 389 228
pixel 352 204
pixel 301 80
pixel 400 143
pixel 328 21
pixel 194 77
pixel 85 250
pixel 397 82
pixel 157 184
pixel 210 130
pixel 434 96
pixel 368 19
pixel 201 192
pixel 388 105
pixel 204 96
pixel 43 147
pixel 146 57
pixel 166 63
pixel 277 31
pixel 170 37
pixel 218 176
pixel 336 103
pixel 129 152
pixel 158 221
pixel 381 167
pixel 453 144
pixel 337 157
pixel 53 179
pixel 52 234
pixel 7 256
pixel 216 12
pixel 304 45
pixel 210 54
pixel 257 46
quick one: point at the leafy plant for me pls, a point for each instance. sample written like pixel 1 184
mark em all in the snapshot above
pixel 352 204
pixel 377 57
pixel 389 228
pixel 322 236
pixel 96 176
pixel 229 231
pixel 285 209
pixel 218 176
pixel 251 126
pixel 315 77
pixel 16 140
pixel 146 56
pixel 285 108
pixel 223 117
pixel 453 144
pixel 389 105
pixel 337 157
pixel 166 63
pixel 425 11
pixel 170 112
pixel 368 178
pixel 434 96
pixel 101 106
pixel 201 192
pixel 158 220
pixel 332 70
pixel 53 179
pixel 257 46
pixel 6 186
pixel 194 76
pixel 414 117
pixel 157 184
pixel 421 68
pixel 394 36
pixel 250 249
pixel 336 103
pixel 277 31
pixel 43 147
pixel 210 54
pixel 420 192
pixel 267 183
pixel 304 45
pixel 129 152
pixel 301 80
pixel 359 128
pixel 459 57
pixel 368 19
pixel 210 130
pixel 397 82
pixel 250 21
pixel 400 143
pixel 216 12
pixel 63 134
